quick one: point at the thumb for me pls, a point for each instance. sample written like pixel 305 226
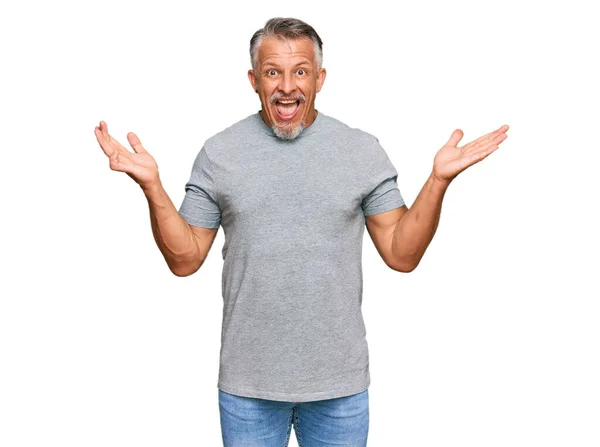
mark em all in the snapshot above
pixel 135 142
pixel 455 138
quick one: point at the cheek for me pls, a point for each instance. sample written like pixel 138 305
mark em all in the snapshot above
pixel 309 88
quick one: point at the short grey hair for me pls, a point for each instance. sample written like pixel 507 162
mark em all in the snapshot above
pixel 286 28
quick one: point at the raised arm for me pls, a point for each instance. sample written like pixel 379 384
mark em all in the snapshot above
pixel 183 246
pixel 402 235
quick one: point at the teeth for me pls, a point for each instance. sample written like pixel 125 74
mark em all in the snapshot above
pixel 287 102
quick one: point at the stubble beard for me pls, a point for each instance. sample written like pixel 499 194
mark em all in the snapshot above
pixel 288 134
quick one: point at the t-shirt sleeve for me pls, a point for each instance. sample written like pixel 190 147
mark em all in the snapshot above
pixel 382 191
pixel 200 206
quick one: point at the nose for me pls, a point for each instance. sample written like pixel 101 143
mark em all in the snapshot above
pixel 287 84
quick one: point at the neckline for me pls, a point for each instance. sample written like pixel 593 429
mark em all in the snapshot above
pixel 306 131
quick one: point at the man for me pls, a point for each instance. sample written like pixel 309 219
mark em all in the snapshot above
pixel 293 189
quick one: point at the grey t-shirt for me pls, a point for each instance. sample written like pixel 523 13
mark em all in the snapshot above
pixel 293 213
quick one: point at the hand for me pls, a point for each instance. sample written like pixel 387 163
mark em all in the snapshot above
pixel 452 160
pixel 140 166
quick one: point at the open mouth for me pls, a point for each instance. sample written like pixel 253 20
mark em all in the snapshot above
pixel 287 108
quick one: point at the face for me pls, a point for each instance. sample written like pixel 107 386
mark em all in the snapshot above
pixel 287 80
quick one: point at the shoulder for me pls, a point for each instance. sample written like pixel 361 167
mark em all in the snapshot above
pixel 351 141
pixel 231 137
pixel 346 132
pixel 354 142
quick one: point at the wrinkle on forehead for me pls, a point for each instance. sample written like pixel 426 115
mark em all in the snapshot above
pixel 290 53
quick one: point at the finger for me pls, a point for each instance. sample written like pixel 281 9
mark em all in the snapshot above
pixel 486 139
pixel 455 138
pixel 104 129
pixel 120 158
pixel 480 155
pixel 500 130
pixel 109 138
pixel 135 142
pixel 104 144
pixel 120 162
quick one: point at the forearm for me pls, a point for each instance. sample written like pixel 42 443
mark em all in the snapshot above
pixel 416 228
pixel 171 232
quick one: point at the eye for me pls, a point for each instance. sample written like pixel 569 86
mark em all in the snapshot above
pixel 301 72
pixel 271 72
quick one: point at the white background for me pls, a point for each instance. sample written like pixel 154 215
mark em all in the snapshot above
pixel 492 341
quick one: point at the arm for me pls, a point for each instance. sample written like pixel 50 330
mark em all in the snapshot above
pixel 414 231
pixel 183 246
pixel 402 235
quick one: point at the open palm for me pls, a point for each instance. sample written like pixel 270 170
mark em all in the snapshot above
pixel 451 160
pixel 139 165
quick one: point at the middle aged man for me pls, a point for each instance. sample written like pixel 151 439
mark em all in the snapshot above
pixel 293 189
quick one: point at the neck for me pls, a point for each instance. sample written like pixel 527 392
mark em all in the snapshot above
pixel 312 117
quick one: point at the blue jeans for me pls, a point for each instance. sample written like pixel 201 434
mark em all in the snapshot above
pixel 253 422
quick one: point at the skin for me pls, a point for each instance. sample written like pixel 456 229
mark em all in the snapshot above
pixel 183 246
pixel 402 235
pixel 288 68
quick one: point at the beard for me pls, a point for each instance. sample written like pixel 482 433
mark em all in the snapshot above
pixel 288 134
pixel 285 133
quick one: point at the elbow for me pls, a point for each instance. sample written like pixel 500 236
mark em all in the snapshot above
pixel 405 268
pixel 404 265
pixel 180 273
pixel 182 270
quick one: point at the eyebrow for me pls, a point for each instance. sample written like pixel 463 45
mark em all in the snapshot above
pixel 273 64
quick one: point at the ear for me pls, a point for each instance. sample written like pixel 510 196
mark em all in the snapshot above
pixel 253 80
pixel 321 78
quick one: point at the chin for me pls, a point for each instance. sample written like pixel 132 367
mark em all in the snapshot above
pixel 287 133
